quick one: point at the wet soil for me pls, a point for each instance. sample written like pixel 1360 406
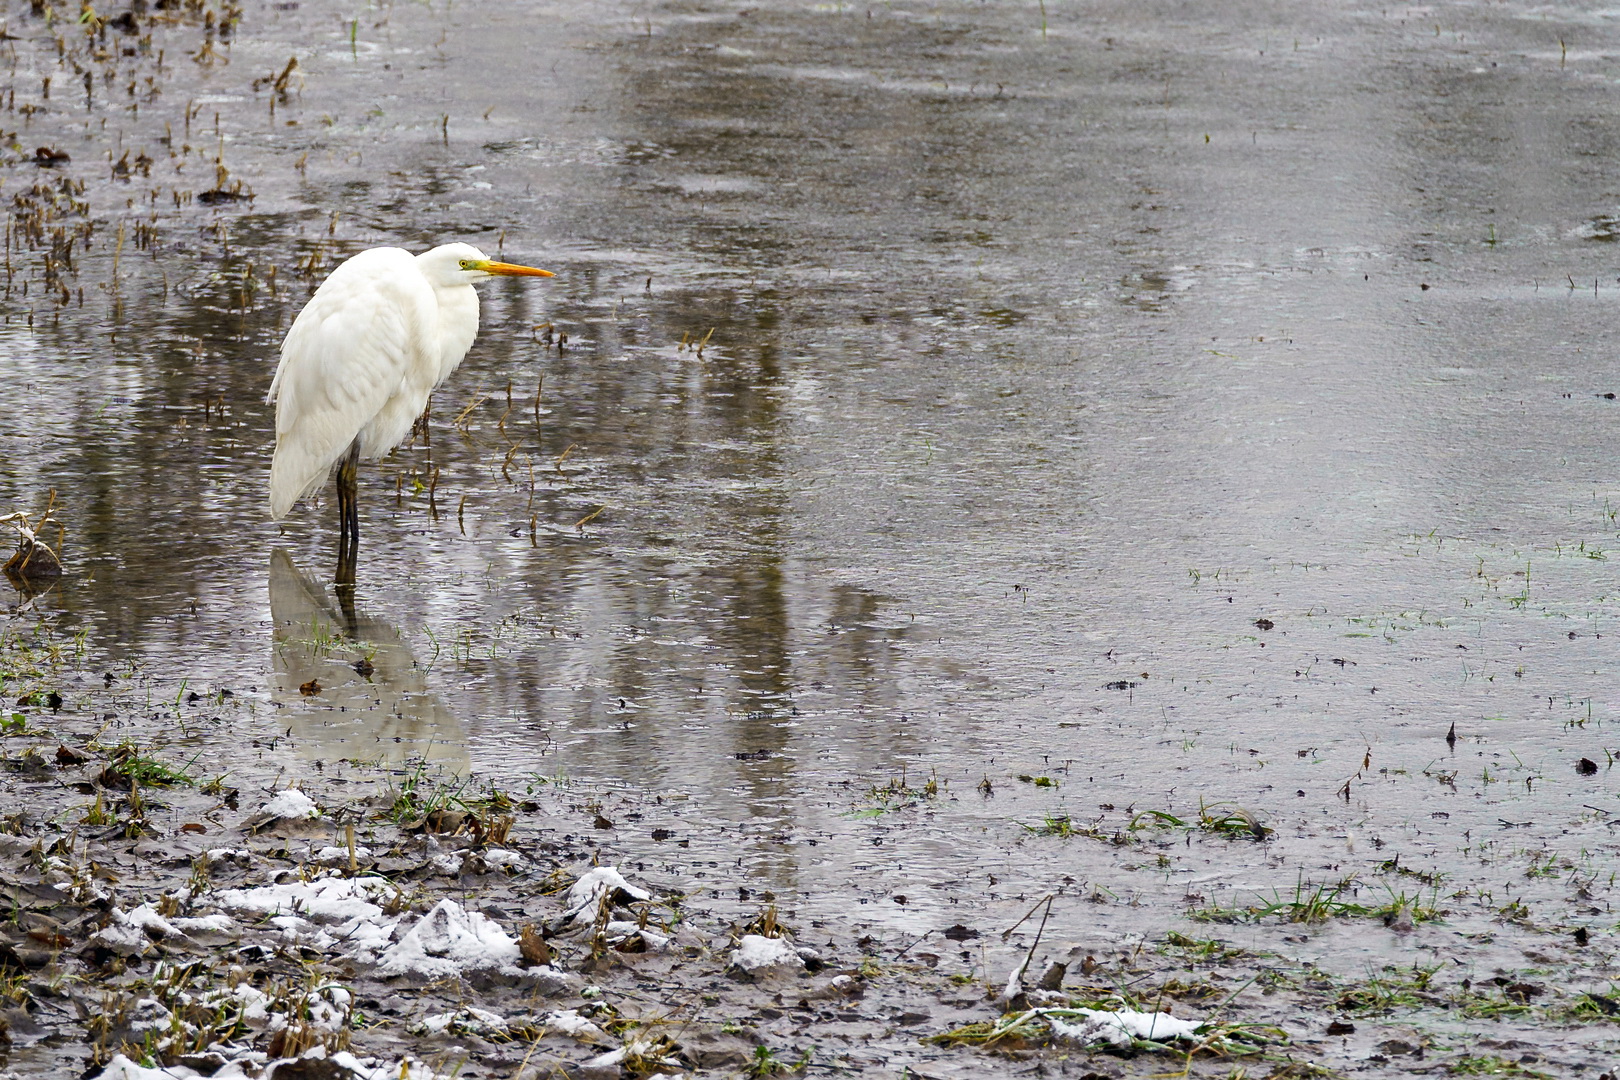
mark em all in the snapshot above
pixel 188 924
pixel 1153 457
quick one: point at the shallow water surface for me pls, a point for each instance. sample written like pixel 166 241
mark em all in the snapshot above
pixel 1180 408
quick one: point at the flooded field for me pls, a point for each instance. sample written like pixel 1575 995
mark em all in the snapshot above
pixel 1153 455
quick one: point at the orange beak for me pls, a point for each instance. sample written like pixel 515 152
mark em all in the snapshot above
pixel 513 270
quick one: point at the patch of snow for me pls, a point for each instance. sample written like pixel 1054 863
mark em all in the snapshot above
pixel 255 1003
pixel 345 907
pixel 755 953
pixel 146 918
pixel 121 937
pixel 569 1022
pixel 339 856
pixel 372 1069
pixel 449 940
pixel 468 1020
pixel 619 930
pixel 290 803
pixel 247 1064
pixel 149 1014
pixel 1119 1028
pixel 641 1048
pixel 299 931
pixel 436 1024
pixel 328 899
pixel 121 1068
pixel 589 889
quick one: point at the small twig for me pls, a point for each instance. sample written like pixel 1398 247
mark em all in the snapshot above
pixel 913 945
pixel 1029 956
pixel 1005 934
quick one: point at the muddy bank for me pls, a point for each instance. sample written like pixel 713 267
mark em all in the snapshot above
pixel 368 919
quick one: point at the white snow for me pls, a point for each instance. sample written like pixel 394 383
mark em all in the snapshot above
pixel 1119 1028
pixel 121 1068
pixel 1014 987
pixel 502 857
pixel 220 854
pixel 149 1014
pixel 450 940
pixel 125 940
pixel 146 918
pixel 441 860
pixel 132 932
pixel 245 1065
pixel 339 856
pixel 636 1047
pixel 302 932
pixel 758 953
pixel 618 930
pixel 588 890
pixel 290 803
pixel 329 898
pixel 344 905
pixel 569 1022
pixel 467 1020
pixel 252 1065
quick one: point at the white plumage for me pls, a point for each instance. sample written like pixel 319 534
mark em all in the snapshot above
pixel 363 356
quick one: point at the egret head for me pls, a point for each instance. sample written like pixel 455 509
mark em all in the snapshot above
pixel 463 264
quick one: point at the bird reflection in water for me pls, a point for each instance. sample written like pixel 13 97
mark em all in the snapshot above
pixel 350 685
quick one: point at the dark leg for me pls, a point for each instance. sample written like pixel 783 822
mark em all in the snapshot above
pixel 348 519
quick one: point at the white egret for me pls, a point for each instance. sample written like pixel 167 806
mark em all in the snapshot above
pixel 357 368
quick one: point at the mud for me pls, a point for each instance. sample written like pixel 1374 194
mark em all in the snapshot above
pixel 1152 457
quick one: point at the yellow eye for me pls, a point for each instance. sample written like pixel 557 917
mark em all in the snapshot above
pixel 466 264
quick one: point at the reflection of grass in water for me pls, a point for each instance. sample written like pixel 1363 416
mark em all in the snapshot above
pixel 420 795
pixel 1413 988
pixel 1593 1007
pixel 1317 903
pixel 1491 1066
pixel 1064 828
pixel 127 764
pixel 1393 988
pixel 1386 625
pixel 1202 950
pixel 1219 574
pixel 1490 581
pixel 1236 823
pixel 895 795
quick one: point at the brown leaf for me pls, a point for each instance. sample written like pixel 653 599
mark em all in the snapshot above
pixel 536 952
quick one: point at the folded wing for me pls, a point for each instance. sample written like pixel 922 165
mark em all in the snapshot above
pixel 358 364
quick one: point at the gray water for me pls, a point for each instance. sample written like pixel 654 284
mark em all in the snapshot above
pixel 1043 356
